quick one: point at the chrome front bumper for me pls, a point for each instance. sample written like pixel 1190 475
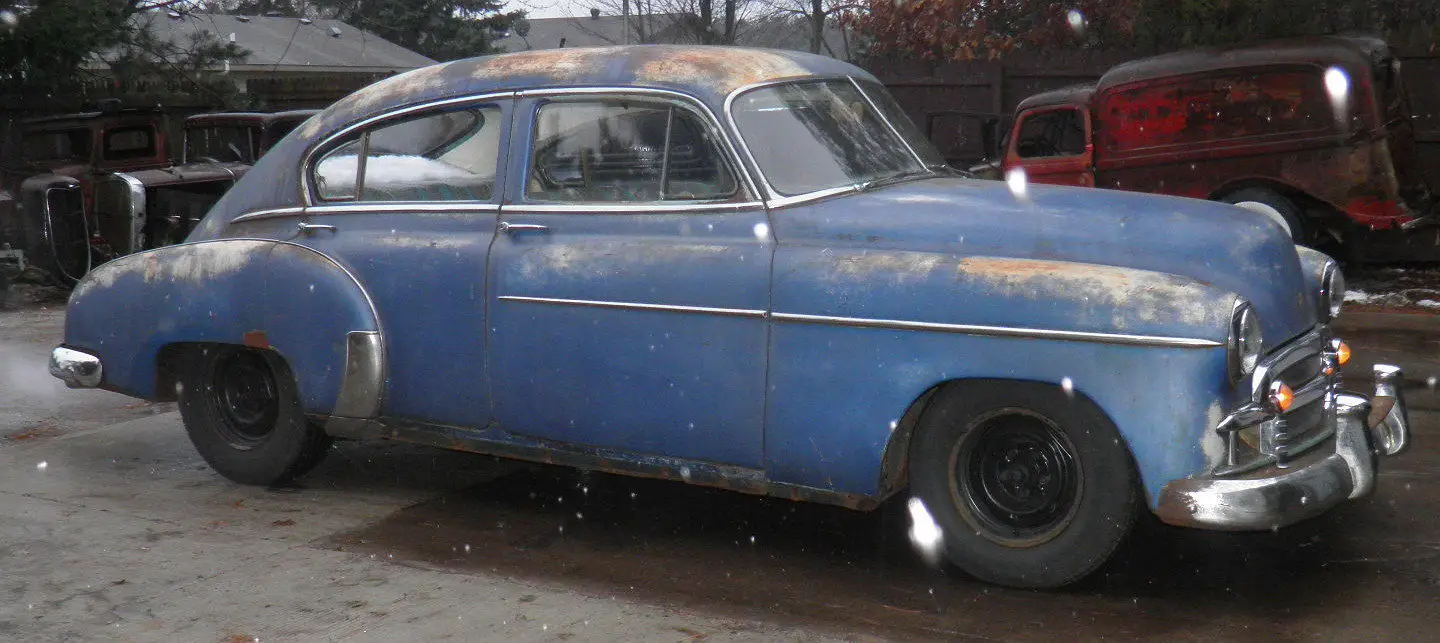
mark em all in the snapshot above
pixel 1366 427
pixel 77 369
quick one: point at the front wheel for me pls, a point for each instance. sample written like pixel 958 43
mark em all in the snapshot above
pixel 242 412
pixel 1032 488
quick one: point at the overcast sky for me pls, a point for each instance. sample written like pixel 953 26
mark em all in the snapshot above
pixel 551 8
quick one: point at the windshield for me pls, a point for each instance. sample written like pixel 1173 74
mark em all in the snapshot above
pixel 220 144
pixel 812 136
pixel 58 145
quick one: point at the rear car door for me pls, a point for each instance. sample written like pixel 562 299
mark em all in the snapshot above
pixel 407 203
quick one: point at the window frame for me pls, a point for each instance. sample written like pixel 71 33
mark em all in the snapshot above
pixel 773 197
pixel 1081 117
pixel 310 161
pixel 744 194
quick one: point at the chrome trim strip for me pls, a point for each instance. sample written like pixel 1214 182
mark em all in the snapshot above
pixel 269 214
pixel 626 305
pixel 1003 331
pixel 785 201
pixel 410 109
pixel 711 120
pixel 624 208
pixel 406 206
pixel 363 382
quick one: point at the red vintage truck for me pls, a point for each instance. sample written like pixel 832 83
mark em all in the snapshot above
pixel 1314 132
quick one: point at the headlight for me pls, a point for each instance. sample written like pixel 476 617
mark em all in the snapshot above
pixel 1332 291
pixel 1246 344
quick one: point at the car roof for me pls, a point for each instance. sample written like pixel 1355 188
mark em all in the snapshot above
pixel 1072 95
pixel 1356 52
pixel 709 73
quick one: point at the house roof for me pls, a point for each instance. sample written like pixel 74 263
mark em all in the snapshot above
pixel 289 44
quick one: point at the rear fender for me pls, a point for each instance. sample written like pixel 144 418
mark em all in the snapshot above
pixel 262 293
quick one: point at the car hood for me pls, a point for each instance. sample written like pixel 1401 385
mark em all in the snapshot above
pixel 1217 244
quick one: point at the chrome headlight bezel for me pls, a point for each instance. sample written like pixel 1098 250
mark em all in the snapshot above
pixel 1245 346
pixel 1332 291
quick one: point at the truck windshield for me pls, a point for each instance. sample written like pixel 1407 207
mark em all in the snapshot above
pixel 219 144
pixel 812 136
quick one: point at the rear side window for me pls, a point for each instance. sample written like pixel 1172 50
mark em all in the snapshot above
pixel 621 150
pixel 1217 108
pixel 444 156
pixel 1054 132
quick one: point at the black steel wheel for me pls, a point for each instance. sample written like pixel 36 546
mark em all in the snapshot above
pixel 1032 487
pixel 1015 477
pixel 242 412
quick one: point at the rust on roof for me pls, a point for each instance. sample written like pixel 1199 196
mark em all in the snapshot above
pixel 1355 52
pixel 1072 95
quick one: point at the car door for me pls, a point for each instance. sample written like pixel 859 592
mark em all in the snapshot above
pixel 630 281
pixel 1053 146
pixel 408 205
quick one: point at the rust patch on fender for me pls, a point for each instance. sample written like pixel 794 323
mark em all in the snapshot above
pixel 1145 295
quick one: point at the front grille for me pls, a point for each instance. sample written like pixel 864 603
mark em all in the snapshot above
pixel 1300 373
pixel 1300 365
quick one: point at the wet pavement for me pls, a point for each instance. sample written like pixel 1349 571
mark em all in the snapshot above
pixel 114 529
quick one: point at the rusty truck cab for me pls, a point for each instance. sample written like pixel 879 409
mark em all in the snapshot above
pixel 1314 132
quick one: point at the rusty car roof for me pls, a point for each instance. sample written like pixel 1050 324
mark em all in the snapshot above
pixel 707 72
pixel 1072 95
pixel 1352 51
pixel 264 118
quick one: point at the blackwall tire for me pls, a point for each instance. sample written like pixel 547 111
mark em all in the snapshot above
pixel 1033 488
pixel 242 412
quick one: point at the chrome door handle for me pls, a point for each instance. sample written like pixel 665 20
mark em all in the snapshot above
pixel 512 228
pixel 307 228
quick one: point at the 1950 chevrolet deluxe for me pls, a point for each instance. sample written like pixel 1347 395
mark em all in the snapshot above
pixel 746 269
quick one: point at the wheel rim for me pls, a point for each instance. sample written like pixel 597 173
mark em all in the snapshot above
pixel 1016 478
pixel 245 398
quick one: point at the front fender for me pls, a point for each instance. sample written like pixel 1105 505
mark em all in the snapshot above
pixel 263 293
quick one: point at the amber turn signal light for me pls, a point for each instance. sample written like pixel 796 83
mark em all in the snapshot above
pixel 1281 397
pixel 1342 352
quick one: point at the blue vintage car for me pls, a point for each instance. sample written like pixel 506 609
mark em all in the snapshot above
pixel 744 269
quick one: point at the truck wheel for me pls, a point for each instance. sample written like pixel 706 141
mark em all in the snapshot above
pixel 1031 487
pixel 242 412
pixel 1274 205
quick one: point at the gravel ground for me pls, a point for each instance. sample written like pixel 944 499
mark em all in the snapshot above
pixel 1391 289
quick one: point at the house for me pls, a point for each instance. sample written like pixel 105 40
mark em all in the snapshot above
pixel 292 62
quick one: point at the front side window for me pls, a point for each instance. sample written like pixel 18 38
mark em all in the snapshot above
pixel 1056 132
pixel 624 150
pixel 129 143
pixel 58 145
pixel 220 144
pixel 816 135
pixel 451 155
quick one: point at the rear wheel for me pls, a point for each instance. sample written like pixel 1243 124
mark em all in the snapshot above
pixel 1274 205
pixel 1032 488
pixel 242 412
